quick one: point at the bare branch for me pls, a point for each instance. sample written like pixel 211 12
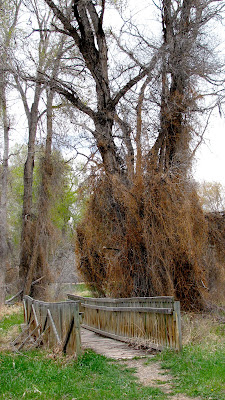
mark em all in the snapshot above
pixel 66 23
pixel 70 94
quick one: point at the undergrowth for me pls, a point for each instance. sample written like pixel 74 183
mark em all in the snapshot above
pixel 148 240
pixel 82 289
pixel 10 320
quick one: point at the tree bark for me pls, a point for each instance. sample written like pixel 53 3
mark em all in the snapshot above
pixel 27 215
pixel 3 191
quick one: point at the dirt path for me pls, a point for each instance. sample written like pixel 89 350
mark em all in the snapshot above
pixel 149 375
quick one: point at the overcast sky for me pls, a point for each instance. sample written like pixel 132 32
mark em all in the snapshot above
pixel 210 158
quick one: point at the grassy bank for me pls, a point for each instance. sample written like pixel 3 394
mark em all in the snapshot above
pixel 10 320
pixel 35 375
pixel 198 371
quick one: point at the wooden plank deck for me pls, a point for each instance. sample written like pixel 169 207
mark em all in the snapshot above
pixel 110 348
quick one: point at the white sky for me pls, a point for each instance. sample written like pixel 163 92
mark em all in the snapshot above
pixel 210 157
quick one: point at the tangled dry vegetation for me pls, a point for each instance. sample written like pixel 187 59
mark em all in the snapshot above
pixel 150 240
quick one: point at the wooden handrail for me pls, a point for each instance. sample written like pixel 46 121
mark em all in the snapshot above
pixel 155 320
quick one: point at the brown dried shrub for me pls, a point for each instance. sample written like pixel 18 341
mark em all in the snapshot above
pixel 216 258
pixel 146 240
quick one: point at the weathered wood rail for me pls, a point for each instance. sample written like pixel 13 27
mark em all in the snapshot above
pixel 51 324
pixel 154 320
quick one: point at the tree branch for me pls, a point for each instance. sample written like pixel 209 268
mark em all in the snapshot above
pixel 71 95
pixel 128 86
pixel 66 23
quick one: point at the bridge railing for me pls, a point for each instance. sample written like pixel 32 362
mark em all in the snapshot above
pixel 154 320
pixel 53 324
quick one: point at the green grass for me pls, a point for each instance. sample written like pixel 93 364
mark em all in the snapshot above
pixel 81 289
pixel 36 376
pixel 10 320
pixel 198 370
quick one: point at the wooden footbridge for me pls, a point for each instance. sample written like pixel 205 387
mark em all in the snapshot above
pixel 150 321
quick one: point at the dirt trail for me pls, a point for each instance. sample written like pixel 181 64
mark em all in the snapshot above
pixel 149 375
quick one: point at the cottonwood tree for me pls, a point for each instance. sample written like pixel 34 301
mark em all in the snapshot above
pixel 47 59
pixel 32 114
pixel 38 265
pixel 90 39
pixel 145 237
pixel 8 17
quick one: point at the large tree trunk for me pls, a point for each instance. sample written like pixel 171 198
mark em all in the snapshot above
pixel 28 222
pixel 3 191
pixel 176 100
pixel 39 253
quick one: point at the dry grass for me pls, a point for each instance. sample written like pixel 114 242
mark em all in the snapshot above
pixel 8 337
pixel 203 329
pixel 10 317
pixel 6 310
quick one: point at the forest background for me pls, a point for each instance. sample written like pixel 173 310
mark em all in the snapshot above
pixel 115 104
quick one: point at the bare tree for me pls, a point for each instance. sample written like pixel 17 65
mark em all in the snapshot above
pixel 8 17
pixel 185 59
pixel 38 265
pixel 31 224
pixel 212 196
pixel 85 26
pixel 158 252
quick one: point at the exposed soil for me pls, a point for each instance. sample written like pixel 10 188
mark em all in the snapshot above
pixel 153 375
